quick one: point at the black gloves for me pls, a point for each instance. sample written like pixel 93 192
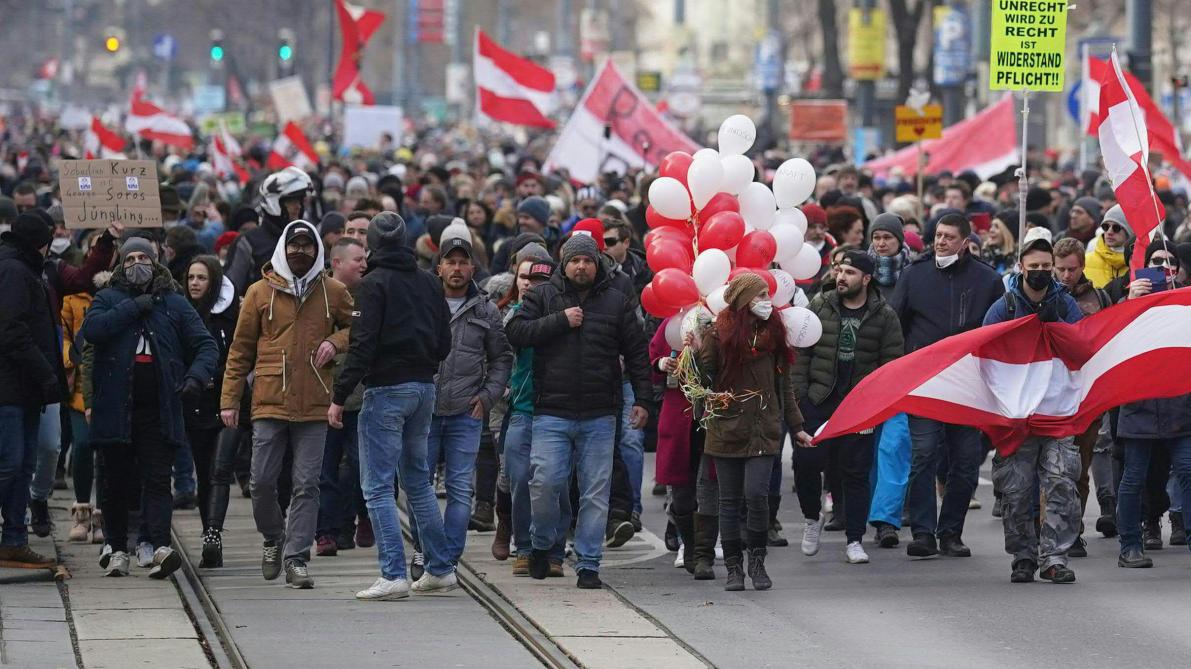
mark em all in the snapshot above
pixel 144 303
pixel 191 388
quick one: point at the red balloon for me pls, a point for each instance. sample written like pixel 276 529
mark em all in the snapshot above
pixel 756 250
pixel 665 253
pixel 669 234
pixel 769 280
pixel 675 288
pixel 675 165
pixel 649 301
pixel 722 231
pixel 718 202
pixel 655 220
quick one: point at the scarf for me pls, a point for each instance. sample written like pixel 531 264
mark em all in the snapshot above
pixel 889 268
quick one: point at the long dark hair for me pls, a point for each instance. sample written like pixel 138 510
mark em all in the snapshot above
pixel 204 305
pixel 743 337
pixel 513 295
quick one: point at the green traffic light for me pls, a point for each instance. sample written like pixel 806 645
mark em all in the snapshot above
pixel 285 52
pixel 216 53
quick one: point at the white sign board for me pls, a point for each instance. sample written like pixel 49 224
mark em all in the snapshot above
pixel 290 100
pixel 363 126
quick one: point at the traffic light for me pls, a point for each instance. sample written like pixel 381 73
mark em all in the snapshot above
pixel 217 46
pixel 111 43
pixel 284 51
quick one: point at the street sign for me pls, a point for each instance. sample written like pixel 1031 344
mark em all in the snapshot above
pixel 819 120
pixel 952 46
pixel 165 46
pixel 649 81
pixel 767 60
pixel 912 126
pixel 866 44
pixel 1028 45
pixel 208 99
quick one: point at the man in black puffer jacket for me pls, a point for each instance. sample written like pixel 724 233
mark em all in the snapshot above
pixel 580 324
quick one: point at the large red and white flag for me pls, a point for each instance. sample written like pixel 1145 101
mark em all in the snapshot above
pixel 985 143
pixel 512 89
pixel 638 136
pixel 226 154
pixel 151 122
pixel 1124 146
pixel 292 148
pixel 1026 378
pixel 356 25
pixel 101 142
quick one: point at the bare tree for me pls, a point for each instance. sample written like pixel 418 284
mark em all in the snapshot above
pixel 907 16
pixel 833 71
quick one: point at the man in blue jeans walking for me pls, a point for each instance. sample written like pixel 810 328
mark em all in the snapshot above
pixel 400 334
pixel 580 324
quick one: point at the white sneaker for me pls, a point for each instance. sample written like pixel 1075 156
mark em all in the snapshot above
pixel 144 554
pixel 678 561
pixel 116 563
pixel 431 583
pixel 719 550
pixel 811 534
pixel 855 553
pixel 165 562
pixel 384 590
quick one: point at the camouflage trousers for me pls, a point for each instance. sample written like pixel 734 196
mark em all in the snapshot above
pixel 1051 467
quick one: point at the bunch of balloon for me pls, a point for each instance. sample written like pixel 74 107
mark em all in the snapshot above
pixel 710 219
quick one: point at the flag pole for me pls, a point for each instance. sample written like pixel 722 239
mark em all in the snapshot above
pixel 1083 101
pixel 921 168
pixel 1023 179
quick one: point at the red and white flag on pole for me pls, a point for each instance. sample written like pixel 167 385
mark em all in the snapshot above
pixel 292 148
pixel 1124 146
pixel 151 122
pixel 638 135
pixel 1025 377
pixel 356 25
pixel 225 155
pixel 100 142
pixel 512 89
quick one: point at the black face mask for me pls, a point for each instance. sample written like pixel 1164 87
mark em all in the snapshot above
pixel 1038 279
pixel 299 263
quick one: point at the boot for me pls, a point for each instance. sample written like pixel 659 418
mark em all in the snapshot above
pixel 97 527
pixel 706 530
pixel 775 537
pixel 212 549
pixel 757 552
pixel 1106 524
pixel 504 534
pixel 686 531
pixel 40 521
pixel 80 531
pixel 482 518
pixel 1151 533
pixel 734 563
pixel 1178 531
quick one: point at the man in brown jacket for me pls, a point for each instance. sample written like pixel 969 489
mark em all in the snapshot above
pixel 292 323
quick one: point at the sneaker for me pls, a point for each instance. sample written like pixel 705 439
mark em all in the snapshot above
pixel 325 546
pixel 417 566
pixel 430 583
pixel 521 565
pixel 346 539
pixel 144 555
pixel 855 554
pixel 1023 571
pixel 836 524
pixel 483 518
pixel 1151 533
pixel 635 519
pixel 185 501
pixel 271 560
pixel 23 557
pixel 1134 559
pixel 212 549
pixel 588 580
pixel 887 536
pixel 1079 549
pixel 923 546
pixel 440 485
pixel 165 562
pixel 618 533
pixel 974 503
pixel 555 569
pixel 774 536
pixel 384 590
pixel 105 556
pixel 659 490
pixel 39 517
pixel 811 535
pixel 364 535
pixel 679 562
pixel 539 564
pixel 1058 573
pixel 296 574
pixel 116 563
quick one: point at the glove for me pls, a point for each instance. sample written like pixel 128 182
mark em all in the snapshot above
pixel 144 303
pixel 190 388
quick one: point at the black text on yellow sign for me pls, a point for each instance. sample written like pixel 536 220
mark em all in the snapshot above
pixel 1028 44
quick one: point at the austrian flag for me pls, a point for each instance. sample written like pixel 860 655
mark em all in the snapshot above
pixel 292 148
pixel 1025 377
pixel 511 89
pixel 100 142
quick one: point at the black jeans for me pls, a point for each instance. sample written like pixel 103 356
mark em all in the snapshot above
pixel 684 500
pixel 487 466
pixel 852 457
pixel 153 458
pixel 744 479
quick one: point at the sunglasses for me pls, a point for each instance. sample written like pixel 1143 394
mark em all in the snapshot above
pixel 1111 227
pixel 611 241
pixel 1164 261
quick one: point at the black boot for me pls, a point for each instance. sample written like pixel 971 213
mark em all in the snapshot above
pixel 212 549
pixel 733 560
pixel 671 537
pixel 706 530
pixel 40 524
pixel 775 537
pixel 1178 531
pixel 757 552
pixel 1151 533
pixel 686 532
pixel 1106 524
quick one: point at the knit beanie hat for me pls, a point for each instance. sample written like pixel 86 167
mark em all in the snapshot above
pixel 1117 215
pixel 743 289
pixel 536 208
pixel 32 229
pixel 533 251
pixel 814 214
pixel 592 227
pixel 386 229
pixel 137 244
pixel 1090 205
pixel 891 223
pixel 582 245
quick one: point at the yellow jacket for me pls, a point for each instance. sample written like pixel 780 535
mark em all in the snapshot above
pixel 73 308
pixel 1102 264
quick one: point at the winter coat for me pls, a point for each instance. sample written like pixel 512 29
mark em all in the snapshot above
pixel 751 426
pixel 182 349
pixel 74 309
pixel 250 252
pixel 480 360
pixel 673 464
pixel 878 342
pixel 577 371
pixel 933 303
pixel 1102 264
pixel 202 413
pixel 31 371
pixel 1057 305
pixel 1166 418
pixel 401 327
pixel 1089 298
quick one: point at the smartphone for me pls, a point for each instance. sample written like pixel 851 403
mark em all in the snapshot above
pixel 981 222
pixel 1156 275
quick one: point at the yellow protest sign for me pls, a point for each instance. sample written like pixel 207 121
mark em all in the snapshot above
pixel 1028 43
pixel 97 193
pixel 912 126
pixel 866 44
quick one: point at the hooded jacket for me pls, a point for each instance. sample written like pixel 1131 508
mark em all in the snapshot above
pixel 932 303
pixel 1102 264
pixel 30 361
pixel 480 360
pixel 250 252
pixel 203 412
pixel 283 320
pixel 1056 305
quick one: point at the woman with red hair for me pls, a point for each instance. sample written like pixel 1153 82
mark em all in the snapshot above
pixel 745 357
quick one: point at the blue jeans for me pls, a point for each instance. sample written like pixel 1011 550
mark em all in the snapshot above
pixel 891 471
pixel 518 440
pixel 183 469
pixel 632 446
pixel 339 494
pixel 456 439
pixel 49 445
pixel 929 439
pixel 1133 481
pixel 18 458
pixel 560 445
pixel 394 424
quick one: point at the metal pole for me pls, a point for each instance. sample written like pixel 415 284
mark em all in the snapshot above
pixel 866 89
pixel 330 42
pixel 1023 180
pixel 921 168
pixel 563 39
pixel 503 21
pixel 1083 141
pixel 773 16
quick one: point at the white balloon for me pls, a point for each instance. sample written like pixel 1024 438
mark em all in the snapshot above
pixel 738 173
pixel 703 177
pixel 789 241
pixel 800 299
pixel 737 134
pixel 803 328
pixel 674 331
pixel 696 318
pixel 711 270
pixel 792 216
pixel 705 152
pixel 716 301
pixel 805 265
pixel 757 205
pixel 793 183
pixel 670 198
pixel 785 287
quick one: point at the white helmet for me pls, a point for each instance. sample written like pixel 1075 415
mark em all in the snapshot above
pixel 287 182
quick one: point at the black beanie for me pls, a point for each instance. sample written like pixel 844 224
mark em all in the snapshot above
pixel 891 223
pixel 32 230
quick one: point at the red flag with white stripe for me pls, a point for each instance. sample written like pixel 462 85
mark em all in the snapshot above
pixel 225 155
pixel 100 142
pixel 512 89
pixel 1025 377
pixel 1124 146
pixel 292 148
pixel 356 25
pixel 151 122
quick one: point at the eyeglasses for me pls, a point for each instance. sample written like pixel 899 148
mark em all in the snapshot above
pixel 1164 261
pixel 1111 227
pixel 611 241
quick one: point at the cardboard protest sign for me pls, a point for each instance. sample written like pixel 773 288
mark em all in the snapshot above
pixel 97 193
pixel 1028 43
pixel 912 126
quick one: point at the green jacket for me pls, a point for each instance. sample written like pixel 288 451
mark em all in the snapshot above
pixel 878 342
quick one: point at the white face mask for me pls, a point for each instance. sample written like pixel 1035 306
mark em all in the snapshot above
pixel 5 227
pixel 59 245
pixel 946 261
pixel 762 309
